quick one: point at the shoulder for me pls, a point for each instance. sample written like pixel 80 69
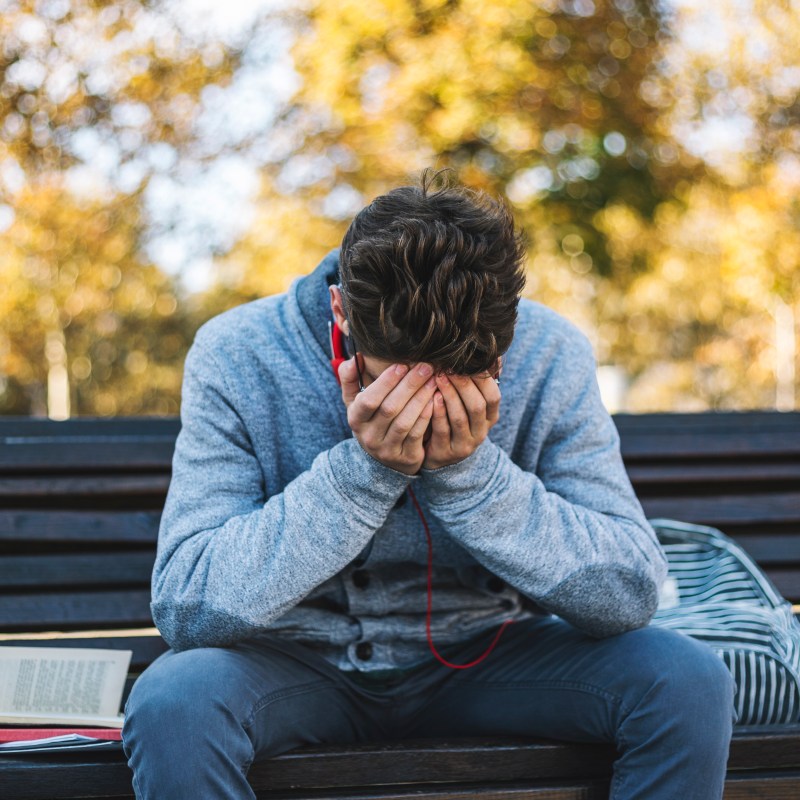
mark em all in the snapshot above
pixel 545 335
pixel 231 347
pixel 241 337
pixel 237 326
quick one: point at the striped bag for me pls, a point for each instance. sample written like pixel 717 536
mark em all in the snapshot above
pixel 715 592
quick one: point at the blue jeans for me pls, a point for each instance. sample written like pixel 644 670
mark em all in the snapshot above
pixel 196 720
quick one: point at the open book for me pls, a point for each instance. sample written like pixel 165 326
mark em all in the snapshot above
pixel 62 686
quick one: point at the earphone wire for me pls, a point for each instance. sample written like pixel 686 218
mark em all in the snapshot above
pixel 428 633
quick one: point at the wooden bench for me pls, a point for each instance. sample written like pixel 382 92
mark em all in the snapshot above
pixel 79 508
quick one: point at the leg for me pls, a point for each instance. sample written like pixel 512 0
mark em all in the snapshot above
pixel 195 720
pixel 664 700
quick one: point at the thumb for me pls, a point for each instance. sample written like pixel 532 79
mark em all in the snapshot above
pixel 348 375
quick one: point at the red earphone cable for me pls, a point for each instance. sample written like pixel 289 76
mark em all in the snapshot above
pixel 431 645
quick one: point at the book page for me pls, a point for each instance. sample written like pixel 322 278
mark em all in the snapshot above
pixel 40 683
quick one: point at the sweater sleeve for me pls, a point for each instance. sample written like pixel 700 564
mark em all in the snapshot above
pixel 567 531
pixel 232 554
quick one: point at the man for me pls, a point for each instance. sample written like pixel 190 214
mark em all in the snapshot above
pixel 291 576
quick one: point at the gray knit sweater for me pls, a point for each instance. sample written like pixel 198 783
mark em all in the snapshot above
pixel 277 520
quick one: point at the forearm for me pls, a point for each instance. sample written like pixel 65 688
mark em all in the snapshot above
pixel 593 560
pixel 221 576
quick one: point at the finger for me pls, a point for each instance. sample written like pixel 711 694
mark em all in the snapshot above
pixel 439 442
pixel 402 424
pixel 474 403
pixel 397 399
pixel 417 432
pixel 457 416
pixel 367 403
pixel 441 427
pixel 490 390
pixel 348 376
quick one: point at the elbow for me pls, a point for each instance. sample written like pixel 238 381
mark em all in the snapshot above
pixel 187 627
pixel 605 600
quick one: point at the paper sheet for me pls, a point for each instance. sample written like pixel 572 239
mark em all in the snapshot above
pixel 69 685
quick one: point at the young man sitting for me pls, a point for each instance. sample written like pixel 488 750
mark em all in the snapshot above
pixel 292 576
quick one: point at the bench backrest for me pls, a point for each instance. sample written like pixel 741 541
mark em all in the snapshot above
pixel 80 503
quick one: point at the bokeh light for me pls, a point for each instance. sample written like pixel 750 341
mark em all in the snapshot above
pixel 162 162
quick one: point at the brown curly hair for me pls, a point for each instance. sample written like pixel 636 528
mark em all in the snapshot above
pixel 433 275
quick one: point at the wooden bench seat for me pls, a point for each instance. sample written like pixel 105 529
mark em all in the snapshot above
pixel 80 503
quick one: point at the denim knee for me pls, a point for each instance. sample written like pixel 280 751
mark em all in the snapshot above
pixel 177 693
pixel 681 675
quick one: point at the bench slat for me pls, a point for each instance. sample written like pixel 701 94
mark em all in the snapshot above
pixel 71 610
pixel 713 476
pixel 721 510
pixel 74 490
pixel 787 582
pixel 79 526
pixel 15 426
pixel 770 549
pixel 730 421
pixel 70 569
pixel 468 766
pixel 691 446
pixel 76 452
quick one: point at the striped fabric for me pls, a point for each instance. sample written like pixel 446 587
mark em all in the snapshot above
pixel 715 592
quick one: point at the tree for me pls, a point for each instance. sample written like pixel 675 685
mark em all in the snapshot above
pixel 95 98
pixel 577 111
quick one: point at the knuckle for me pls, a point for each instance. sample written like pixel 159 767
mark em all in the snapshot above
pixel 388 410
pixel 402 427
pixel 414 436
pixel 370 406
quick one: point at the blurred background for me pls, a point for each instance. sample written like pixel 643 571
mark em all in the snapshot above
pixel 161 162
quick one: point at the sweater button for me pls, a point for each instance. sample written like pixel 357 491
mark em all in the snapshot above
pixel 494 584
pixel 361 579
pixel 364 651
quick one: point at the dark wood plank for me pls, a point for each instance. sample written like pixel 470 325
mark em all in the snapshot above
pixel 555 790
pixel 46 572
pixel 74 610
pixel 458 769
pixel 79 526
pixel 720 421
pixel 57 778
pixel 787 582
pixel 49 777
pixel 432 760
pixel 761 747
pixel 15 426
pixel 686 445
pixel 695 445
pixel 759 475
pixel 721 510
pixel 145 649
pixel 79 452
pixel 766 785
pixel 754 747
pixel 82 488
pixel 770 549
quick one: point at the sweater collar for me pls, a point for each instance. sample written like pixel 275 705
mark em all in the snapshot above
pixel 313 298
